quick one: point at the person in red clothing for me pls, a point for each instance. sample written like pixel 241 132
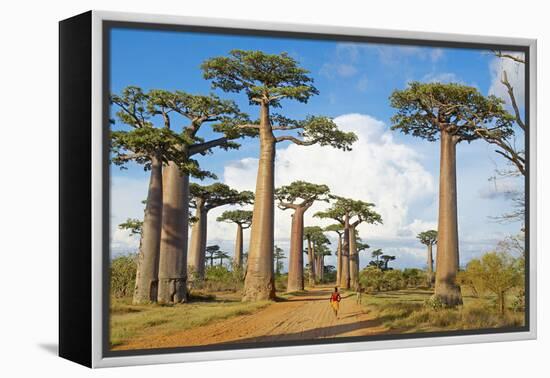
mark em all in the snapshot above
pixel 335 299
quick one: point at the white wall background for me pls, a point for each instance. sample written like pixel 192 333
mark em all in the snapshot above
pixel 28 185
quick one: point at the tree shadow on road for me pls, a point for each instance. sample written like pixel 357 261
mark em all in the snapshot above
pixel 315 333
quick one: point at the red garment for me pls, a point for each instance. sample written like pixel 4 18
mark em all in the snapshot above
pixel 335 297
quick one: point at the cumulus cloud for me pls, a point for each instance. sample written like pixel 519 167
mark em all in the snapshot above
pixel 378 170
pixel 442 77
pixel 516 77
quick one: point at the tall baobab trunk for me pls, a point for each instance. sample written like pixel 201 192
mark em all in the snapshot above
pixel 339 260
pixel 296 255
pixel 344 279
pixel 430 275
pixel 447 244
pixel 353 259
pixel 173 242
pixel 321 269
pixel 259 283
pixel 311 262
pixel 147 267
pixel 197 247
pixel 238 259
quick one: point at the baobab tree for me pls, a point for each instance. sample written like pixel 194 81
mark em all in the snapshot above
pixel 452 113
pixel 339 229
pixel 429 239
pixel 243 220
pixel 278 255
pixel 133 226
pixel 376 256
pixel 386 259
pixel 311 234
pixel 298 196
pixel 222 117
pixel 321 250
pixel 203 199
pixel 267 79
pixel 211 252
pixel 221 255
pixel 151 147
pixel 350 213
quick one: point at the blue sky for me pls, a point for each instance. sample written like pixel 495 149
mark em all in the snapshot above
pixel 355 81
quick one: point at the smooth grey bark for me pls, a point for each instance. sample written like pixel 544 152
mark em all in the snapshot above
pixel 446 287
pixel 146 287
pixel 345 276
pixel 353 259
pixel 238 259
pixel 296 255
pixel 259 283
pixel 173 243
pixel 197 247
pixel 339 259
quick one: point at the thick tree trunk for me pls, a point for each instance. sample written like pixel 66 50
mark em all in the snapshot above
pixel 353 259
pixel 147 267
pixel 430 273
pixel 173 242
pixel 344 279
pixel 339 260
pixel 296 255
pixel 259 283
pixel 238 256
pixel 322 267
pixel 446 287
pixel 311 263
pixel 197 247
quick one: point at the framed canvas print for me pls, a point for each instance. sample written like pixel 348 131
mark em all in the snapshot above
pixel 232 189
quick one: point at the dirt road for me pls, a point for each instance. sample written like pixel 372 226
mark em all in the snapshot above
pixel 305 317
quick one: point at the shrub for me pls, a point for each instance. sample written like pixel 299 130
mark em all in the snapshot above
pixel 219 278
pixel 123 275
pixel 434 303
pixel 371 278
pixel 393 280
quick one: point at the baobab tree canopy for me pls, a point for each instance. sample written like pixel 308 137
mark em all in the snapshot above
pixel 133 226
pixel 426 109
pixel 264 77
pixel 428 237
pixel 353 208
pixel 242 217
pixel 218 194
pixel 300 194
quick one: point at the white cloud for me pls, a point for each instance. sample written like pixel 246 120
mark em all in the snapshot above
pixel 378 170
pixel 343 70
pixel 442 77
pixel 516 77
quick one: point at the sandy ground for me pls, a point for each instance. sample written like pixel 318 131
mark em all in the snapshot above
pixel 303 317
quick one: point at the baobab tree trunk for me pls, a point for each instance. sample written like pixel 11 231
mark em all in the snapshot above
pixel 321 268
pixel 147 266
pixel 197 247
pixel 430 273
pixel 311 262
pixel 447 244
pixel 173 242
pixel 238 260
pixel 318 268
pixel 259 283
pixel 353 259
pixel 344 279
pixel 339 260
pixel 296 255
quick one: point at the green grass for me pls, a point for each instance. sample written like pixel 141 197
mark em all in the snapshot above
pixel 404 311
pixel 130 321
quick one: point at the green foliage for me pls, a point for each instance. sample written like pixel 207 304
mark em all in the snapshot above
pixel 324 132
pixel 497 272
pixel 132 225
pixel 414 277
pixel 216 195
pixel 372 278
pixel 242 217
pixel 337 227
pixel 386 259
pixel 428 237
pixel 123 275
pixel 434 303
pixel 357 210
pixel 263 77
pixel 301 194
pixel 220 278
pixel 425 109
pixel 211 251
